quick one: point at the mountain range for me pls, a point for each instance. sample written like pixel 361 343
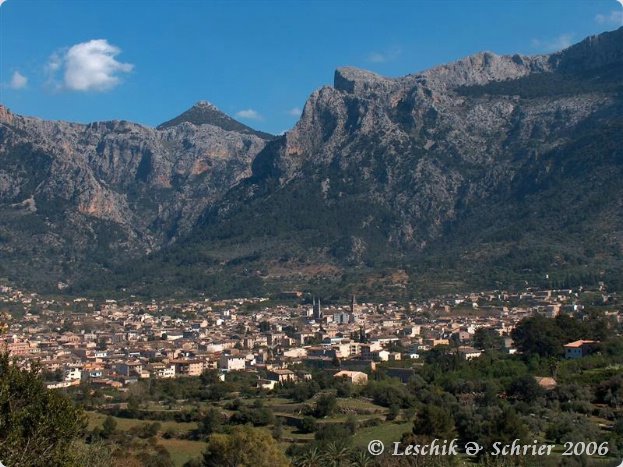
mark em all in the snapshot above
pixel 491 171
pixel 77 199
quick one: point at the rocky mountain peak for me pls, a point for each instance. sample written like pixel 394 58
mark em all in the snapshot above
pixel 204 105
pixel 355 80
pixel 484 67
pixel 5 114
pixel 412 159
pixel 593 52
pixel 206 113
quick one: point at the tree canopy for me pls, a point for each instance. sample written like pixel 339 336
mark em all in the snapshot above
pixel 245 446
pixel 37 426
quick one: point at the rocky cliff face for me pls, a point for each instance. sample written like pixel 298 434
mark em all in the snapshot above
pixel 386 171
pixel 485 171
pixel 74 194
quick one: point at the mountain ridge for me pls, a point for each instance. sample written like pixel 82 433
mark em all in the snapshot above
pixel 98 192
pixel 419 152
pixel 462 175
pixel 205 113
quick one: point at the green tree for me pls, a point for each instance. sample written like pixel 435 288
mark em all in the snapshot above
pixel 212 422
pixel 388 393
pixel 337 454
pixel 108 427
pixel 37 426
pixel 338 433
pixel 506 426
pixel 434 422
pixel 150 430
pixel 393 412
pixel 244 447
pixel 311 457
pixel 487 339
pixel 539 335
pixel 325 406
pixel 444 358
pixel 133 405
pixel 277 430
pixel 307 425
pixel 525 388
pixel 351 424
pixel 361 459
pixel 611 391
pixel 210 377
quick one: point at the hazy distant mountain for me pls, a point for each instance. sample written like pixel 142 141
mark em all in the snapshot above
pixel 492 169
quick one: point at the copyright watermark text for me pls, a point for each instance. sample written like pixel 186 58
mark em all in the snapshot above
pixel 439 447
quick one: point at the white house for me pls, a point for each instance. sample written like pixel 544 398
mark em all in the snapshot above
pixel 231 363
pixel 72 374
pixel 355 377
pixel 469 353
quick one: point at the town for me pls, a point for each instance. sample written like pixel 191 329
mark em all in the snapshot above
pixel 115 343
pixel 161 382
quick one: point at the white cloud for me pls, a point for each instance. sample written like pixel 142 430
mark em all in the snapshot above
pixel 54 63
pixel 376 57
pixel 88 66
pixel 614 17
pixel 249 114
pixel 295 112
pixel 386 56
pixel 552 45
pixel 2 1
pixel 18 81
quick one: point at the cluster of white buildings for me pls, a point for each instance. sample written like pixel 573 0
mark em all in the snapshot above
pixel 116 343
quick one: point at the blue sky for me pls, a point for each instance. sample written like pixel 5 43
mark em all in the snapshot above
pixel 149 60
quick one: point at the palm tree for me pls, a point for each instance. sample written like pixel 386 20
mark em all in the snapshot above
pixel 310 458
pixel 361 459
pixel 337 454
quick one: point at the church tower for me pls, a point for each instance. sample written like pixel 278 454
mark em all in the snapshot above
pixel 354 309
pixel 317 310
